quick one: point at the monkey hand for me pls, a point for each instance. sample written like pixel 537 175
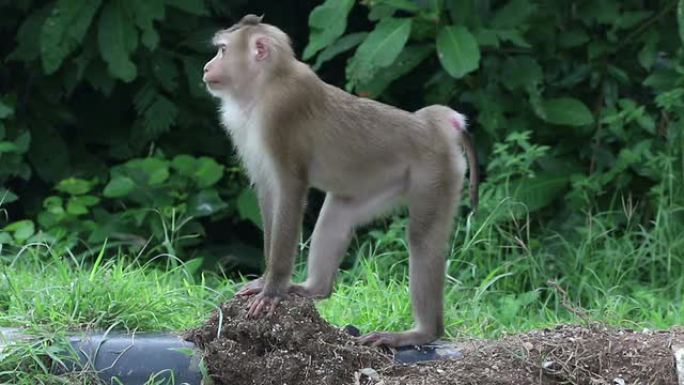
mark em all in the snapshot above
pixel 250 288
pixel 263 302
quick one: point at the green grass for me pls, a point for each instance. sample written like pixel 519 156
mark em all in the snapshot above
pixel 606 268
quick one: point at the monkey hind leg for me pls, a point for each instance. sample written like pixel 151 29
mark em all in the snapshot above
pixel 432 201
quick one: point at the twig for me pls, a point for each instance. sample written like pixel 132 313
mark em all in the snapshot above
pixel 565 302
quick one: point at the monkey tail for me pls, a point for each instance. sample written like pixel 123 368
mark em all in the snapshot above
pixel 458 121
pixel 469 145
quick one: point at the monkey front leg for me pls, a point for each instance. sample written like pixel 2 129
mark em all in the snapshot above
pixel 287 219
pixel 265 197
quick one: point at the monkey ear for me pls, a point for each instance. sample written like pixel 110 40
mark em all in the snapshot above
pixel 261 48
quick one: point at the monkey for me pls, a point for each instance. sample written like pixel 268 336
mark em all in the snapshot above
pixel 293 131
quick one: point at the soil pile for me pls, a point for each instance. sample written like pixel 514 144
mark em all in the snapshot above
pixel 594 355
pixel 294 346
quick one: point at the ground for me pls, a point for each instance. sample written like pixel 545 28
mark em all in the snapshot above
pixel 296 346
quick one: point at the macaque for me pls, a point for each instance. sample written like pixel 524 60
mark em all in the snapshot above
pixel 293 131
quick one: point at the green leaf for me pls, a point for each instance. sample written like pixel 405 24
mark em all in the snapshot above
pixel 118 187
pixel 86 200
pixel 195 7
pixel 404 5
pixel 680 19
pixel 156 170
pixel 76 208
pixel 538 192
pixel 160 116
pixel 603 11
pixel 25 232
pixel 7 196
pixel 514 36
pixel 192 67
pixel 6 238
pixel 23 142
pixel 380 48
pixel 158 112
pixel 74 186
pixel 7 147
pixel 64 30
pixel 574 37
pixel 194 266
pixel 630 19
pixel 204 203
pixel 380 11
pixel 435 6
pixel 409 58
pixel 116 41
pixel 5 110
pixel 457 50
pixel 342 44
pixel 514 13
pixel 248 207
pixel 566 111
pixel 146 13
pixel 487 37
pixel 328 22
pixel 22 230
pixel 165 71
pixel 649 52
pixel 28 46
pixel 207 172
pixel 184 164
pixel 51 202
pixel 521 72
pixel 662 80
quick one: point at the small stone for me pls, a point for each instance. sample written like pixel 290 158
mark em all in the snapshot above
pixel 371 373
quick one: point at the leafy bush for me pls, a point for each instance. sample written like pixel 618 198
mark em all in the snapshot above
pixel 576 108
pixel 570 100
pixel 96 87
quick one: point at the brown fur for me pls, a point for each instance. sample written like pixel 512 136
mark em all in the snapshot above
pixel 294 131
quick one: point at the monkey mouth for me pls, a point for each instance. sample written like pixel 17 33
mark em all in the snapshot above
pixel 212 83
pixel 214 88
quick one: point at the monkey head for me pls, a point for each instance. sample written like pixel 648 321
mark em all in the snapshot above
pixel 248 54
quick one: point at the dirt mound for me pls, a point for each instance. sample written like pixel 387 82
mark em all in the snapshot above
pixel 595 355
pixel 294 346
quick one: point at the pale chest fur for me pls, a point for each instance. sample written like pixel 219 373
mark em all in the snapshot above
pixel 247 134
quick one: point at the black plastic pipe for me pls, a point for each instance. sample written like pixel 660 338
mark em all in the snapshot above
pixel 132 359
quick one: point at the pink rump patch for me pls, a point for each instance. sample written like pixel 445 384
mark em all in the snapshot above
pixel 458 121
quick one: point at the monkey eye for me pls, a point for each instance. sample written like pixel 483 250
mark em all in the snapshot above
pixel 222 49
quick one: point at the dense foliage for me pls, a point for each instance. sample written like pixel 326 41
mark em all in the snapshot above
pixel 106 133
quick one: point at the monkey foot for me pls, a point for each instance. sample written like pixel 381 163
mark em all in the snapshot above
pixel 395 340
pixel 262 303
pixel 250 288
pixel 305 291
